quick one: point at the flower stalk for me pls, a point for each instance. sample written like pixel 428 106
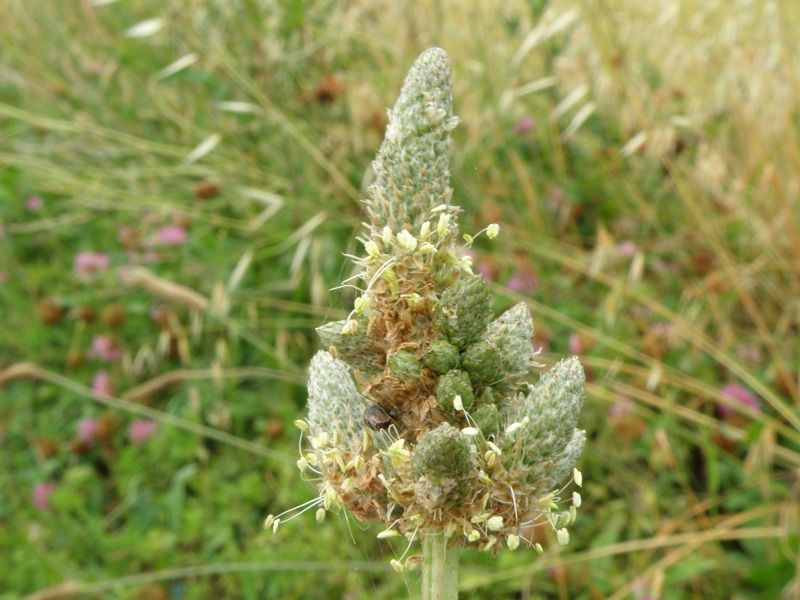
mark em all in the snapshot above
pixel 439 567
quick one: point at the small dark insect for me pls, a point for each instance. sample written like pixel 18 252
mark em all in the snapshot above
pixel 376 418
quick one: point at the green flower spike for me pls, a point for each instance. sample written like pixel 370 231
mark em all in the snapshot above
pixel 505 351
pixel 413 163
pixel 419 413
pixel 545 451
pixel 354 347
pixel 451 385
pixel 335 406
pixel 441 357
pixel 464 311
pixel 404 366
pixel 442 465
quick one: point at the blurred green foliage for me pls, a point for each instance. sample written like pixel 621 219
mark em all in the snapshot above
pixel 647 198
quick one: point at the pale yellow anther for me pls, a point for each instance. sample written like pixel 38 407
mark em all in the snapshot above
pixel 397 452
pixel 494 523
pixel 329 498
pixel 388 533
pixel 490 458
pixel 360 304
pixel 578 477
pixel 512 428
pixel 562 535
pixel 444 222
pixel 425 230
pixel 512 541
pixel 337 456
pixel 408 241
pixel 372 248
pixel 397 565
pixel 495 448
pixel 320 440
pixel 350 327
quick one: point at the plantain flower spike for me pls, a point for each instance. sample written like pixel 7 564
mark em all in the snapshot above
pixel 419 412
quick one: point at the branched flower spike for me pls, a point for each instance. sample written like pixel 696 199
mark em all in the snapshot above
pixel 419 415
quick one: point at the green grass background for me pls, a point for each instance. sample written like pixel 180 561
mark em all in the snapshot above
pixel 654 199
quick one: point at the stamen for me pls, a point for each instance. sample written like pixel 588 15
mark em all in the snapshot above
pixel 274 520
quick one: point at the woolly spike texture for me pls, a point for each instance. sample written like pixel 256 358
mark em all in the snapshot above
pixel 356 349
pixel 550 442
pixel 455 439
pixel 412 173
pixel 452 384
pixel 464 311
pixel 506 349
pixel 441 357
pixel 442 465
pixel 334 403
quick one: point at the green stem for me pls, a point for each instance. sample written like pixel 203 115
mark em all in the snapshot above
pixel 439 568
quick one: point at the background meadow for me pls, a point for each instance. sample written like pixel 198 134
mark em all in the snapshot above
pixel 179 182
